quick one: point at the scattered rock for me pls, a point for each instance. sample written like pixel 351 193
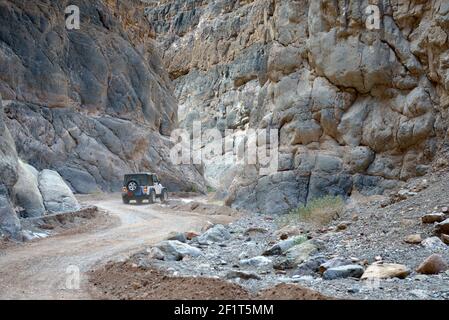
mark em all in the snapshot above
pixel 385 271
pixel 257 262
pixel 433 217
pixel 191 234
pixel 217 233
pixel 310 266
pixel 433 265
pixel 302 252
pixel 442 227
pixel 288 232
pixel 207 226
pixel 445 238
pixel 282 246
pixel 342 226
pixel 434 244
pixel 354 290
pixel 242 275
pixel 254 231
pixel 155 253
pixel 333 263
pixel 413 239
pixel 420 294
pixel 174 250
pixel 177 236
pixel 352 270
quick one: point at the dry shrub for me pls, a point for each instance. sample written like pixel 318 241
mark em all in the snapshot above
pixel 319 211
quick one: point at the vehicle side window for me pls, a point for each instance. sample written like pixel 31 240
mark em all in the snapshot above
pixel 156 179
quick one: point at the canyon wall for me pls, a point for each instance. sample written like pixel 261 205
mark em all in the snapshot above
pixel 357 109
pixel 80 107
pixel 94 103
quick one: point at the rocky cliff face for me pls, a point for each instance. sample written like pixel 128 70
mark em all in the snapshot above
pixel 92 103
pixel 356 109
pixel 89 104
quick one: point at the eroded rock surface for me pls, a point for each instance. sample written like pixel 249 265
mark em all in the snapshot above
pixel 356 109
pixel 92 103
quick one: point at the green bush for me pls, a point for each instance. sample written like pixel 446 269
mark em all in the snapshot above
pixel 319 211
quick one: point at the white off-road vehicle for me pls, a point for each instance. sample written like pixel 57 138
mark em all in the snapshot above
pixel 143 186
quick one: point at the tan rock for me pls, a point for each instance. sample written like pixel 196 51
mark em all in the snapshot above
pixel 191 234
pixel 432 218
pixel 445 238
pixel 433 265
pixel 288 232
pixel 413 239
pixel 442 227
pixel 385 271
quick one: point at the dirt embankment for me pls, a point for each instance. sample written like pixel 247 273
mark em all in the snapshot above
pixel 127 281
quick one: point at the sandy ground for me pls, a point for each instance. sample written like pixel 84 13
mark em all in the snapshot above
pixel 44 269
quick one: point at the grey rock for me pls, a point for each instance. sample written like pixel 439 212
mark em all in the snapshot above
pixel 155 253
pixel 434 244
pixel 257 262
pixel 56 194
pixel 310 267
pixel 174 250
pixel 333 263
pixel 179 236
pixel 282 246
pixel 302 252
pixel 217 233
pixel 353 271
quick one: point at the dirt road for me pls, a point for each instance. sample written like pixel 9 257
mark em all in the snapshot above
pixel 41 269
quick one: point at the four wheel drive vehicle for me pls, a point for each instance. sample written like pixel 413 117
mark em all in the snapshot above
pixel 143 186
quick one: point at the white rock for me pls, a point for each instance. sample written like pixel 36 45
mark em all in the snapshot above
pixel 56 193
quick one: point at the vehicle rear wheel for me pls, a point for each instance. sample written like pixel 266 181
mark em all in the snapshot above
pixel 164 196
pixel 132 186
pixel 152 197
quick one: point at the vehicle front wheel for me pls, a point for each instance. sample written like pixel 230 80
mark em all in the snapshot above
pixel 164 196
pixel 125 201
pixel 152 197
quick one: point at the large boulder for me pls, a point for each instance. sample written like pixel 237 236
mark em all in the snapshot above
pixel 347 271
pixel 56 193
pixel 433 265
pixel 26 191
pixel 386 271
pixel 282 246
pixel 217 233
pixel 174 250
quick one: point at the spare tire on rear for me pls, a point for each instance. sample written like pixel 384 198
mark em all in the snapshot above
pixel 132 186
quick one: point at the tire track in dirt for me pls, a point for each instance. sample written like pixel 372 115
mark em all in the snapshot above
pixel 38 270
